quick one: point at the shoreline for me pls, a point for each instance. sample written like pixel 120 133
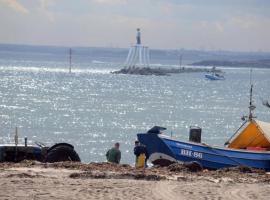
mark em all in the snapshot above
pixel 67 180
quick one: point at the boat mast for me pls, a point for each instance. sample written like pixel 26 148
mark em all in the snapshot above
pixel 251 108
pixel 70 57
pixel 251 105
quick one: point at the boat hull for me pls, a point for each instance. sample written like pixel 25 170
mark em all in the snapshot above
pixel 211 77
pixel 163 151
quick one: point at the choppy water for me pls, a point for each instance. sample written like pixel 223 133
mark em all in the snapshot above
pixel 92 108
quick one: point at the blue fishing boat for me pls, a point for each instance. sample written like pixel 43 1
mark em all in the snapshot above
pixel 249 146
pixel 164 151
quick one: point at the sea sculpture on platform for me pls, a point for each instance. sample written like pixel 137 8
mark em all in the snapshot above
pixel 138 62
pixel 138 55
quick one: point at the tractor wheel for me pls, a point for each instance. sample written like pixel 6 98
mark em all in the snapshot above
pixel 62 153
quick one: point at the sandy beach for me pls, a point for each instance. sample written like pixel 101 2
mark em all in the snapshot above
pixel 31 180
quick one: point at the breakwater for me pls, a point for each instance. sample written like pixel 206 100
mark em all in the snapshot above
pixel 161 71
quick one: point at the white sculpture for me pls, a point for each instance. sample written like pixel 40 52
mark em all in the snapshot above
pixel 138 54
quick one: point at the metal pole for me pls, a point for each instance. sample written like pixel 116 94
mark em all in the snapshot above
pixel 16 138
pixel 70 55
pixel 251 106
pixel 180 60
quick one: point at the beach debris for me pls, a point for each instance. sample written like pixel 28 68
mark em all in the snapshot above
pixel 188 166
pixel 89 174
pixel 242 169
pixel 193 166
pixel 213 180
pixel 181 178
pixel 177 171
pixel 24 175
pixel 227 180
pixel 176 167
pixel 127 175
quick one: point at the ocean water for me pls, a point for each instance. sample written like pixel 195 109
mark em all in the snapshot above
pixel 92 109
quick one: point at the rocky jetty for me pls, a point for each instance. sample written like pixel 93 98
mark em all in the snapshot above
pixel 160 71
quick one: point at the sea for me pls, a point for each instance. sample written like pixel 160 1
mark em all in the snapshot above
pixel 92 109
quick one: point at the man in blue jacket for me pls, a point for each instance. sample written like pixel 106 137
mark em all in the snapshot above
pixel 140 149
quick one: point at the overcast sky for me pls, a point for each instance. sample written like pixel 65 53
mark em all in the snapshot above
pixel 239 25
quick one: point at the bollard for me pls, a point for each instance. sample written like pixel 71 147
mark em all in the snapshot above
pixel 25 141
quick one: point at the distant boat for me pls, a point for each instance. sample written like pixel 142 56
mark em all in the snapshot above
pixel 214 76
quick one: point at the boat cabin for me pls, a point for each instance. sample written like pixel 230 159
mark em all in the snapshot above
pixel 254 135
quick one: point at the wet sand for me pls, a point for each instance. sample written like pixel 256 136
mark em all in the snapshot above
pixel 106 181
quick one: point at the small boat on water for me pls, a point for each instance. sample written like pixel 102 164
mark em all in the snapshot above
pixel 214 75
pixel 249 146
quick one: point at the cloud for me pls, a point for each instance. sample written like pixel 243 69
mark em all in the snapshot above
pixel 44 9
pixel 164 23
pixel 47 3
pixel 15 5
pixel 246 21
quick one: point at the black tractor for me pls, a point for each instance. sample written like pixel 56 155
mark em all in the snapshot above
pixel 39 152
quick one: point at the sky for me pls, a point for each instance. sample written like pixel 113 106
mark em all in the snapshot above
pixel 235 25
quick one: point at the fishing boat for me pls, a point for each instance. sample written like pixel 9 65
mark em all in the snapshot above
pixel 249 146
pixel 214 76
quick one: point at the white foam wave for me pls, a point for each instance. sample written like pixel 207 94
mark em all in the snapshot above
pixel 54 70
pixel 98 62
pixel 177 66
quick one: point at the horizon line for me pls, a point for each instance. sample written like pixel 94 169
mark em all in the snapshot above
pixel 116 47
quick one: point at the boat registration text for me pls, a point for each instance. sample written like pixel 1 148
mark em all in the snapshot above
pixel 190 153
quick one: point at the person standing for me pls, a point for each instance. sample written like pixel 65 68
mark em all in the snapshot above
pixel 113 155
pixel 141 154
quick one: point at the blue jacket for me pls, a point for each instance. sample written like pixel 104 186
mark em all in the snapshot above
pixel 141 149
